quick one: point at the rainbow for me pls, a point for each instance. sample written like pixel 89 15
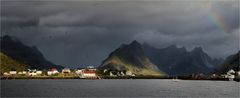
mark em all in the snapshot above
pixel 216 18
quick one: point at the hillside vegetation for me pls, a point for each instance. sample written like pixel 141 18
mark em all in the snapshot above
pixel 131 58
pixel 7 64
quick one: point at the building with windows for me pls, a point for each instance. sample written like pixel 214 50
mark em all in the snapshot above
pixel 13 72
pixel 89 72
pixel 32 72
pixel 53 71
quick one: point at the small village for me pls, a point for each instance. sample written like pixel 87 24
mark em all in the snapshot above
pixel 90 72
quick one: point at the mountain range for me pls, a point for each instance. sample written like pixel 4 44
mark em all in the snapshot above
pixel 30 57
pixel 130 58
pixel 171 60
pixel 140 59
pixel 231 62
pixel 179 61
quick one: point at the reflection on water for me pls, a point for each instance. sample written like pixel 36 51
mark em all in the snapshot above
pixel 118 88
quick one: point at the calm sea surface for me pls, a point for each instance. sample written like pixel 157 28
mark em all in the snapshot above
pixel 118 88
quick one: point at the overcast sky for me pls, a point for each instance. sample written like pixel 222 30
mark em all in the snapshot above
pixel 84 33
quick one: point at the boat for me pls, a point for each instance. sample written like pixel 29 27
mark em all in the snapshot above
pixel 175 79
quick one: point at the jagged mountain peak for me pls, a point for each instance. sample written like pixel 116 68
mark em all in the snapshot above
pixel 12 39
pixel 135 43
pixel 173 60
pixel 6 37
pixel 183 49
pixel 179 61
pixel 130 57
pixel 198 49
pixel 29 55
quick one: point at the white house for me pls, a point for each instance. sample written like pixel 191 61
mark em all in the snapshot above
pixel 133 75
pixel 24 72
pixel 111 74
pixel 238 73
pixel 49 73
pixel 231 71
pixel 12 72
pixel 66 71
pixel 89 72
pixel 55 71
pixel 122 73
pixel 32 72
pixel 79 71
pixel 6 74
pixel 231 74
pixel 20 73
pixel 128 73
pixel 39 72
pixel 116 73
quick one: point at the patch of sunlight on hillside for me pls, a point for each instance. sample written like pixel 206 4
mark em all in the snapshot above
pixel 7 64
pixel 118 62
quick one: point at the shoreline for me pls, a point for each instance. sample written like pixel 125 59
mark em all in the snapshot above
pixel 76 77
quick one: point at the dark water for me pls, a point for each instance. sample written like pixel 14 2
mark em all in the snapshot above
pixel 118 88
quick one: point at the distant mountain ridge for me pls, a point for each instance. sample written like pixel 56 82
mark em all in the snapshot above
pixel 24 54
pixel 141 59
pixel 130 58
pixel 179 61
pixel 170 60
pixel 231 62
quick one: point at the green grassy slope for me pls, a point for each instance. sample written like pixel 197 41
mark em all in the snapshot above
pixel 7 64
pixel 131 58
pixel 119 63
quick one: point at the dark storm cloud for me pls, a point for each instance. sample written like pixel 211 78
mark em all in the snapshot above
pixel 15 22
pixel 82 32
